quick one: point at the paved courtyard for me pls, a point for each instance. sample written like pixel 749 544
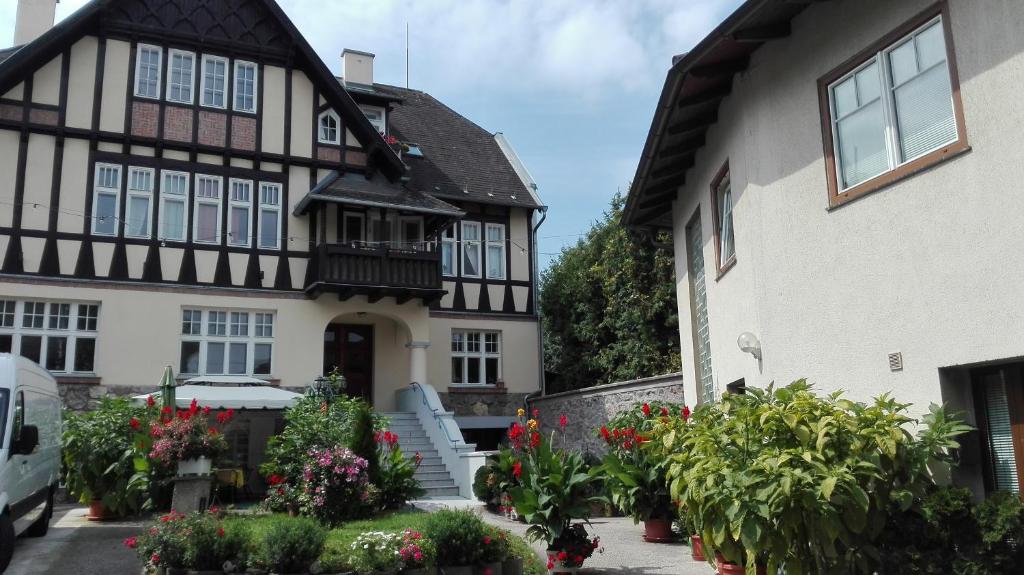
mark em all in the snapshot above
pixel 624 549
pixel 77 546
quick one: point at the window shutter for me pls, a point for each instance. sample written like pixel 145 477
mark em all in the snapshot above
pixel 1000 437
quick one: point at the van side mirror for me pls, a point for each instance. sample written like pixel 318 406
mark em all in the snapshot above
pixel 28 441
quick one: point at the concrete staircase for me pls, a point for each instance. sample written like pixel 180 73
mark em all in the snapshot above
pixel 432 474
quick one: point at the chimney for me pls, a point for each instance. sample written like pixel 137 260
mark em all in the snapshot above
pixel 34 18
pixel 357 67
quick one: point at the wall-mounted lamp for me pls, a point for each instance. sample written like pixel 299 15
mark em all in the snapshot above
pixel 749 344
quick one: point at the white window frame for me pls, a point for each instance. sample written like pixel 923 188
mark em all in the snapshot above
pixel 320 128
pixel 234 204
pixel 270 207
pixel 889 111
pixel 725 220
pixel 255 84
pixel 202 81
pixel 171 53
pixel 104 190
pixel 71 331
pixel 482 354
pixel 204 201
pixel 381 125
pixel 250 339
pixel 139 49
pixel 466 244
pixel 488 244
pixel 448 244
pixel 134 193
pixel 164 197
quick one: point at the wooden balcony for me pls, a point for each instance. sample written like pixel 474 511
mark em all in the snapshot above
pixel 376 272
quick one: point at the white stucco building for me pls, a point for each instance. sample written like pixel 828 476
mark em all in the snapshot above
pixel 841 180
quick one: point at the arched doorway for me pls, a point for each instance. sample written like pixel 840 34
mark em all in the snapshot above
pixel 349 349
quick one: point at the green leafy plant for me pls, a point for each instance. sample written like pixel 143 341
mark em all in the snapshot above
pixel 376 552
pixel 286 544
pixel 362 441
pixel 188 434
pixel 335 486
pixel 396 477
pixel 104 455
pixel 936 535
pixel 1001 522
pixel 312 422
pixel 458 537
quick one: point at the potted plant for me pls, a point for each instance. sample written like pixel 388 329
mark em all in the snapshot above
pixel 417 553
pixel 162 545
pixel 187 438
pixel 396 477
pixel 567 553
pixel 104 455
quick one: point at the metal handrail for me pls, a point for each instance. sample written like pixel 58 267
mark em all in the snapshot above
pixel 437 416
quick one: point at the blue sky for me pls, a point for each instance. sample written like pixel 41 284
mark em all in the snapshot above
pixel 571 83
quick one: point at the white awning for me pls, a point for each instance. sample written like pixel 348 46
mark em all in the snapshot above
pixel 225 380
pixel 225 397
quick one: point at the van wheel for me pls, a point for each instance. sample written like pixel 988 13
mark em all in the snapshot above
pixel 6 541
pixel 42 525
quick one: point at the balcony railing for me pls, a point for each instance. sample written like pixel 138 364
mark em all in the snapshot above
pixel 376 269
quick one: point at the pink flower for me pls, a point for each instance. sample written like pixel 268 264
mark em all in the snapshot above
pixel 150 402
pixel 487 539
pixel 563 421
pixel 131 542
pixel 134 422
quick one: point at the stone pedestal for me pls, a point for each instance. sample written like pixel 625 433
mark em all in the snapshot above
pixel 191 493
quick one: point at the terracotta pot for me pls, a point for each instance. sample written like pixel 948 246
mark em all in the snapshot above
pixel 99 512
pixel 697 548
pixel 727 568
pixel 658 531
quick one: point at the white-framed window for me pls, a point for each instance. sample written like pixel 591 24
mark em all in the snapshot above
pixel 139 209
pixel 226 342
pixel 181 72
pixel 376 116
pixel 206 220
pixel 471 249
pixel 60 336
pixel 239 212
pixel 724 230
pixel 330 128
pixel 476 357
pixel 893 108
pixel 353 228
pixel 410 232
pixel 106 200
pixel 173 224
pixel 270 216
pixel 214 81
pixel 495 251
pixel 245 86
pixel 448 251
pixel 147 71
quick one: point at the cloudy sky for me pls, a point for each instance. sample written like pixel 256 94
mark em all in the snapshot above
pixel 572 83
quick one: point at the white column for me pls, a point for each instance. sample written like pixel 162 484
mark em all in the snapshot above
pixel 418 361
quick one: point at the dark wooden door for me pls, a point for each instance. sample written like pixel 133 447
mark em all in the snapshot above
pixel 349 348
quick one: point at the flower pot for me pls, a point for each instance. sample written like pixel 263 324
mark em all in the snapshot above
pixel 558 570
pixel 513 566
pixel 727 568
pixel 489 569
pixel 456 570
pixel 195 466
pixel 697 548
pixel 658 531
pixel 420 571
pixel 99 512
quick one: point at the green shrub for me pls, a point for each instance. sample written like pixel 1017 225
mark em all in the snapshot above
pixel 363 442
pixel 1001 520
pixel 937 533
pixel 458 537
pixel 312 422
pixel 484 485
pixel 286 544
pixel 396 477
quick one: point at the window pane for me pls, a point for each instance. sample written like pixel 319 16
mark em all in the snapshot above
pixel 903 63
pixel 87 317
pixel 60 315
pixel 491 365
pixel 868 85
pixel 239 323
pixel 447 259
pixel 85 351
pixel 33 315
pixel 32 346
pixel 727 248
pixel 1000 435
pixel 931 46
pixel 457 370
pixel 7 313
pixel 189 357
pixel 473 370
pixel 106 211
pixel 6 341
pixel 471 260
pixel 173 220
pixel 138 216
pixel 56 353
pixel 206 223
pixel 496 262
pixel 844 97
pixel 261 358
pixel 191 321
pixel 861 139
pixel 217 323
pixel 924 113
pixel 214 357
pixel 471 232
pixel 239 225
pixel 237 358
pixel 473 342
pixel 268 229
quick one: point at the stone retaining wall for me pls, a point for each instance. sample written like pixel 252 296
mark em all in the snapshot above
pixel 85 397
pixel 588 409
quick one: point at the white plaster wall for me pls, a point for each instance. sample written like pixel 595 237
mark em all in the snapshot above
pixel 8 173
pixel 928 267
pixel 35 211
pixel 115 85
pixel 46 83
pixel 302 115
pixel 272 108
pixel 81 82
pixel 519 234
pixel 73 181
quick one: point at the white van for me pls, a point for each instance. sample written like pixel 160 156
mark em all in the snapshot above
pixel 30 440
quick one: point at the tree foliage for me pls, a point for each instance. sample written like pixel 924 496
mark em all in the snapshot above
pixel 609 308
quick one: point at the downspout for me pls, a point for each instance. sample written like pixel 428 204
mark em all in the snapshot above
pixel 536 301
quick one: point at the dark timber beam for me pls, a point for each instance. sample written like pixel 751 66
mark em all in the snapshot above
pixel 404 297
pixel 375 297
pixel 666 185
pixel 719 69
pixel 673 169
pixel 687 146
pixel 346 294
pixel 757 34
pixel 713 95
pixel 696 123
pixel 657 200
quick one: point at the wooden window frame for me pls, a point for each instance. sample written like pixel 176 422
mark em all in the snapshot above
pixel 720 266
pixel 838 197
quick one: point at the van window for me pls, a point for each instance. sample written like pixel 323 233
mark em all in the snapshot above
pixel 19 416
pixel 5 396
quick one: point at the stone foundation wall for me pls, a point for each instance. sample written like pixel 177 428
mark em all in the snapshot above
pixel 85 397
pixel 588 409
pixel 465 403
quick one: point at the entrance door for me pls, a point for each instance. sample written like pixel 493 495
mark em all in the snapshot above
pixel 999 401
pixel 349 348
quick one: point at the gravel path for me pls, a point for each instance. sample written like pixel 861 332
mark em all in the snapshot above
pixel 624 549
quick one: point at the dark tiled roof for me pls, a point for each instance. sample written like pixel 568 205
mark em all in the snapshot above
pixel 6 53
pixel 457 154
pixel 355 189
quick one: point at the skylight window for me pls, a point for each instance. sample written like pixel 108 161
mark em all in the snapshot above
pixel 414 151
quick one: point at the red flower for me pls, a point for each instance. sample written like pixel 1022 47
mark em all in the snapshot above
pixel 579 560
pixel 280 490
pixel 275 479
pixel 627 444
pixel 517 469
pixel 551 563
pixel 562 555
pixel 685 413
pixel 212 430
pixel 154 559
pixel 131 542
pixel 488 571
pixel 516 431
pixel 194 406
pixel 134 422
pixel 166 410
pixel 563 421
pixel 647 410
pixel 150 402
pixel 534 439
pixel 487 539
pixel 664 410
pixel 220 532
pixel 206 410
pixel 536 413
pixel 376 437
pixel 606 434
